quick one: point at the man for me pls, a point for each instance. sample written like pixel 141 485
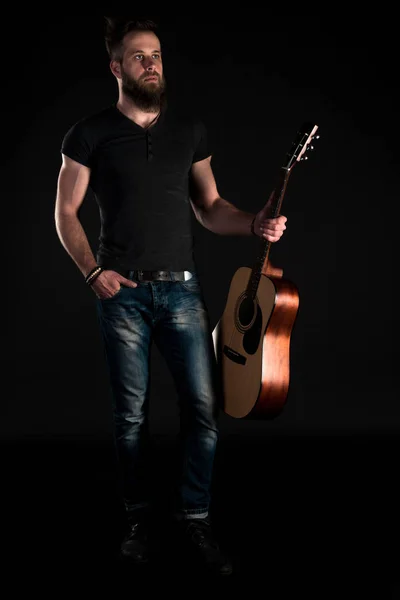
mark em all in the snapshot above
pixel 148 166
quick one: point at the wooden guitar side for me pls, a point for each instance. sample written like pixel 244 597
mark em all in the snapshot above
pixel 275 377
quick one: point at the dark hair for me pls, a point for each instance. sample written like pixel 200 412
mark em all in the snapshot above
pixel 117 27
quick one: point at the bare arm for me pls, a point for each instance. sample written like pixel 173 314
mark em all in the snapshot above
pixel 212 211
pixel 222 217
pixel 73 181
pixel 72 185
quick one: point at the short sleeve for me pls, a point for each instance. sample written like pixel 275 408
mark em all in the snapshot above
pixel 202 149
pixel 76 144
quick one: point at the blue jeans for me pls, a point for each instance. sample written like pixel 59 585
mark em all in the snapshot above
pixel 173 314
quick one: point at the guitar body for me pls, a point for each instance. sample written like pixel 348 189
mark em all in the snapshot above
pixel 252 346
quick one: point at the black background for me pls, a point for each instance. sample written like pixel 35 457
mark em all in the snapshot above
pixel 316 486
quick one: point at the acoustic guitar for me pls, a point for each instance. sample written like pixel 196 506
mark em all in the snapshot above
pixel 252 338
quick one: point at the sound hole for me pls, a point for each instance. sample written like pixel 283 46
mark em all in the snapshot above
pixel 246 311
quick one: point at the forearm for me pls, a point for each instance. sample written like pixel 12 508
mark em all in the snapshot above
pixel 224 218
pixel 75 242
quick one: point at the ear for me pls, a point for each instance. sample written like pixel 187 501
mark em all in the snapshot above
pixel 115 68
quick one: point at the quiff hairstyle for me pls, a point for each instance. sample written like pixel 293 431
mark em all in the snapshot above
pixel 116 28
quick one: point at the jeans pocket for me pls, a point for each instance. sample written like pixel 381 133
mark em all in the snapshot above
pixel 117 293
pixel 192 284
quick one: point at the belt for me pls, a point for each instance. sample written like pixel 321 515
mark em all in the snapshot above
pixel 157 275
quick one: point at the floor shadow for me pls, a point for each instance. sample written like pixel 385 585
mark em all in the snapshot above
pixel 311 515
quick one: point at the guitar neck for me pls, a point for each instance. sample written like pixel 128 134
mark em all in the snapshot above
pixel 299 146
pixel 265 245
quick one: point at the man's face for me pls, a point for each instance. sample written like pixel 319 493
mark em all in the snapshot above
pixel 142 70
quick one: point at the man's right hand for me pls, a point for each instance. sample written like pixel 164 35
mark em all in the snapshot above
pixel 108 283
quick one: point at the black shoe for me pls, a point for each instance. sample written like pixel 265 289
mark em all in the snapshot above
pixel 135 545
pixel 203 546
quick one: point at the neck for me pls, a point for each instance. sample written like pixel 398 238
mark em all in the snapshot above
pixel 130 110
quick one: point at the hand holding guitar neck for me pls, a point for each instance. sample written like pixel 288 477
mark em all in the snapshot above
pixel 268 225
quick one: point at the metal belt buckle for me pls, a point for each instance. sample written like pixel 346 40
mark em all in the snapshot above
pixel 187 275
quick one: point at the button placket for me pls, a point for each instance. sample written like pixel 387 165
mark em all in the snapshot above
pixel 149 147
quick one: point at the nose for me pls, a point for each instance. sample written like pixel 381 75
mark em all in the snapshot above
pixel 150 66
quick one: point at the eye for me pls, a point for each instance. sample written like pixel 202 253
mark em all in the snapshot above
pixel 138 56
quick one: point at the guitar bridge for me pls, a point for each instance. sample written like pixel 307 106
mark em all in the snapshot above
pixel 234 356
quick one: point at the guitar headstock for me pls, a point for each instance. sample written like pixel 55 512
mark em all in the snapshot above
pixel 301 144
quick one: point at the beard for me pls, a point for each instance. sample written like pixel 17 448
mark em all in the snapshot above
pixel 149 96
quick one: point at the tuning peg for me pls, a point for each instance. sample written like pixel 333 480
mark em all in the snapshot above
pixel 315 137
pixel 304 158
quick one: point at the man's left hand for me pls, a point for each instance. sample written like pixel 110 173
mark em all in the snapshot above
pixel 270 228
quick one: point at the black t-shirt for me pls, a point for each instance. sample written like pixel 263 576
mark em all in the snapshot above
pixel 140 179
